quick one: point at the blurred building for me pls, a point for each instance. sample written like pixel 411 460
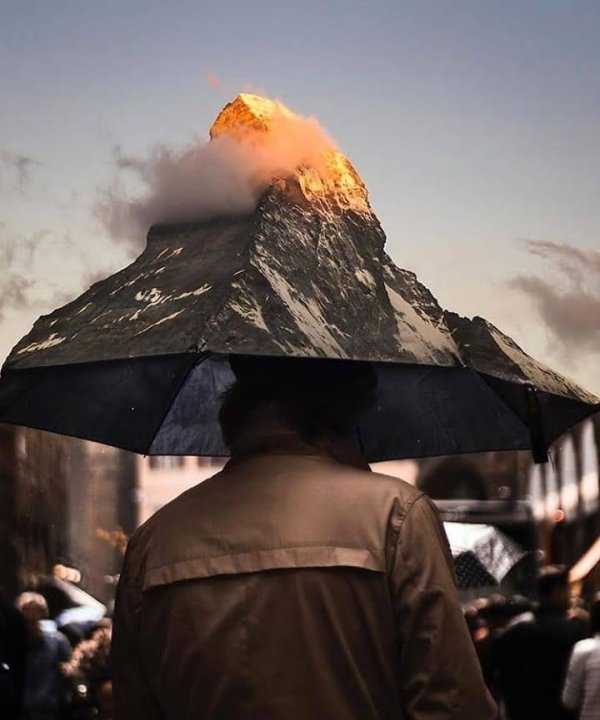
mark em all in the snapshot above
pixel 480 476
pixel 160 479
pixel 563 494
pixel 62 501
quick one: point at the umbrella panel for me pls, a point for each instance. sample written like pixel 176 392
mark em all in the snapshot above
pixel 169 405
pixel 470 573
pixel 419 411
pixel 121 403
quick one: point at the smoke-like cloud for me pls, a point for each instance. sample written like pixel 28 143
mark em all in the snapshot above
pixel 16 169
pixel 43 270
pixel 569 301
pixel 15 257
pixel 223 177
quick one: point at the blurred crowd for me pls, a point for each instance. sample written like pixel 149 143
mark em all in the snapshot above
pixel 48 673
pixel 540 659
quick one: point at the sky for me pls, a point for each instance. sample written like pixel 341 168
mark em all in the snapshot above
pixel 474 124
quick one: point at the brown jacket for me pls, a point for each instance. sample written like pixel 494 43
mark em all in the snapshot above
pixel 291 586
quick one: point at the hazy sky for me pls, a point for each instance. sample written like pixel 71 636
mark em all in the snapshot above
pixel 476 126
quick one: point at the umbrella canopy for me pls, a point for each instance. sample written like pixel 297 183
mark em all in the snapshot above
pixel 483 555
pixel 140 360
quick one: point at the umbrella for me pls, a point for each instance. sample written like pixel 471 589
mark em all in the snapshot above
pixel 483 555
pixel 141 359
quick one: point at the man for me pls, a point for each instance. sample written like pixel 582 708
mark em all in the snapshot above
pixel 13 651
pixel 530 658
pixel 582 685
pixel 45 685
pixel 295 584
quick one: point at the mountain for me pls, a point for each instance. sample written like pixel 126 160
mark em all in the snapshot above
pixel 304 274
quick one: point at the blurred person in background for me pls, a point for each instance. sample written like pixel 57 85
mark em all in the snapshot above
pixel 13 653
pixel 45 693
pixel 295 583
pixel 482 639
pixel 104 701
pixel 89 671
pixel 530 657
pixel 581 691
pixel 578 613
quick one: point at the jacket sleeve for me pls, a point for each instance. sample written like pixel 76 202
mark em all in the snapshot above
pixel 440 675
pixel 133 696
pixel 572 693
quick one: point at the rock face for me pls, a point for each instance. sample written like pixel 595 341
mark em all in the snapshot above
pixel 305 274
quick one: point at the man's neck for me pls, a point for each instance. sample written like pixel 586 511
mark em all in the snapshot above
pixel 345 449
pixel 265 430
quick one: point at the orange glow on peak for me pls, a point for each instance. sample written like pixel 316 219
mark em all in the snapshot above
pixel 247 114
pixel 291 145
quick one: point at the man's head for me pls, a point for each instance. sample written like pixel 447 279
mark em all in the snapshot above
pixel 318 399
pixel 34 609
pixel 553 587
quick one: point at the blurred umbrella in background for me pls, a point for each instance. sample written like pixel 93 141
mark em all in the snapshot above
pixel 483 555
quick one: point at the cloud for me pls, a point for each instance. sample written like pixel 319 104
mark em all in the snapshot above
pixel 223 177
pixel 16 253
pixel 568 301
pixel 44 270
pixel 572 261
pixel 17 168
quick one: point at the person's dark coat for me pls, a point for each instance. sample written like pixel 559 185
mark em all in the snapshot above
pixel 291 586
pixel 530 662
pixel 13 653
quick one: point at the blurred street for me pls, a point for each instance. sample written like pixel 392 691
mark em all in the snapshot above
pixel 68 507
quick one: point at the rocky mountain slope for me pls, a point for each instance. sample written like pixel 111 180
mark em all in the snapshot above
pixel 305 274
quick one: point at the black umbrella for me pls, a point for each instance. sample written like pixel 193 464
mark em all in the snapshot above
pixel 141 359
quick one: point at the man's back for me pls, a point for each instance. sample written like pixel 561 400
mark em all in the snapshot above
pixel 292 586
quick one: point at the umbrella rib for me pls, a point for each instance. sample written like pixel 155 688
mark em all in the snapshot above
pixel 513 412
pixel 186 375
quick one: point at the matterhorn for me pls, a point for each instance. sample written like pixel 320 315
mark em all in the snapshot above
pixel 303 273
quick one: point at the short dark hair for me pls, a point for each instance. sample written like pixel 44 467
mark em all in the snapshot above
pixel 317 397
pixel 551 578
